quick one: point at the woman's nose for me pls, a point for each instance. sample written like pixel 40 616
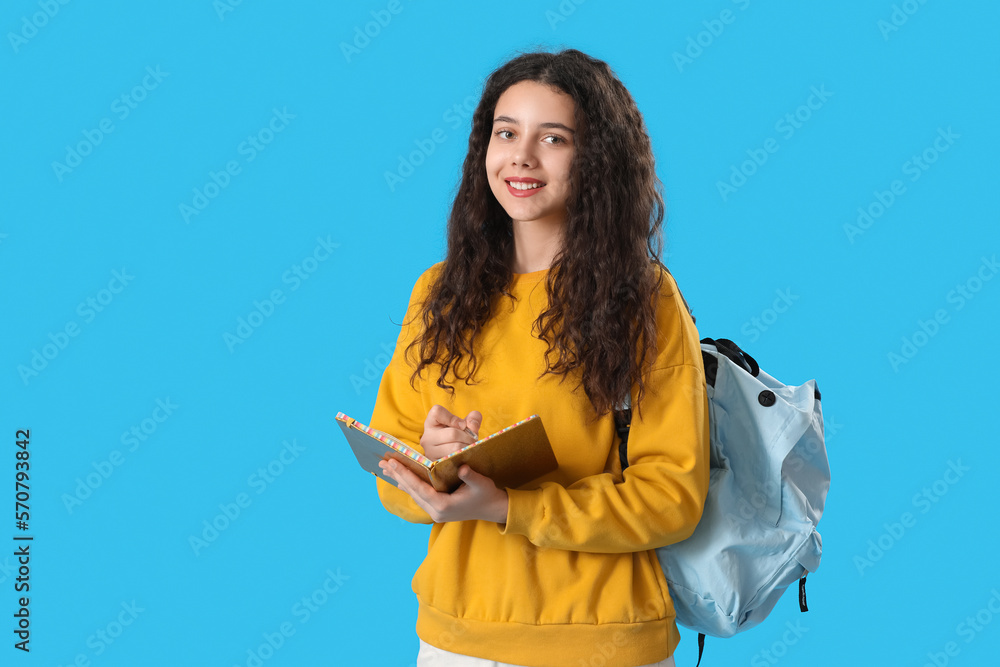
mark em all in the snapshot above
pixel 523 157
pixel 523 153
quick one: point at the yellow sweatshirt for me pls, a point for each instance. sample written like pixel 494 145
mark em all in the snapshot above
pixel 570 579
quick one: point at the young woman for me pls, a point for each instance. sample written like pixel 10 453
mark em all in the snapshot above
pixel 551 301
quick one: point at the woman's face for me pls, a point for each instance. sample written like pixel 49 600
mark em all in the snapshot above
pixel 530 151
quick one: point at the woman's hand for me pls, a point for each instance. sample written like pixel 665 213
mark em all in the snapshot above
pixel 444 433
pixel 477 498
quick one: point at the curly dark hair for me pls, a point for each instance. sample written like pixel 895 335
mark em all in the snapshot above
pixel 601 316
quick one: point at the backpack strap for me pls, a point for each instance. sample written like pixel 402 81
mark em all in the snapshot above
pixel 623 414
pixel 623 419
pixel 731 351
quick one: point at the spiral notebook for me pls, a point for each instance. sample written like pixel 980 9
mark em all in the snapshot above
pixel 511 457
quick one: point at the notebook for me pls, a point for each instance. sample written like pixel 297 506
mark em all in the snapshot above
pixel 511 457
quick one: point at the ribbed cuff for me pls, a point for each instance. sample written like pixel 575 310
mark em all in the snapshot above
pixel 520 510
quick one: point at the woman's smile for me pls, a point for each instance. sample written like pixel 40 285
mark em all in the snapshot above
pixel 523 187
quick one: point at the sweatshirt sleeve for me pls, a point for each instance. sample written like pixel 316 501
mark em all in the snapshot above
pixel 661 498
pixel 400 408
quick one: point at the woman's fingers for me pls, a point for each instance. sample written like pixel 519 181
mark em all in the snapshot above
pixel 405 479
pixel 425 495
pixel 477 498
pixel 444 433
pixel 441 419
pixel 438 417
pixel 473 421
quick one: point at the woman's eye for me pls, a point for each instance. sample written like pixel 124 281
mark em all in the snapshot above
pixel 500 133
pixel 556 139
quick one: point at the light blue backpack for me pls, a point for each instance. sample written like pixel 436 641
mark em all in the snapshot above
pixel 768 484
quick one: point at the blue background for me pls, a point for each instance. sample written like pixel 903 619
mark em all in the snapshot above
pixel 885 594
